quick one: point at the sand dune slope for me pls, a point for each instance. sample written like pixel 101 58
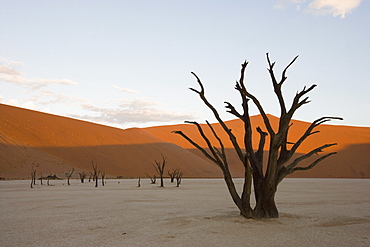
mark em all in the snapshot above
pixel 57 144
pixel 353 145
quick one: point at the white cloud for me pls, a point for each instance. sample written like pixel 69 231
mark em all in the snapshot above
pixel 10 62
pixel 28 105
pixel 13 102
pixel 334 7
pixel 61 81
pixel 281 4
pixel 321 7
pixel 6 69
pixel 125 89
pixel 46 97
pixel 11 75
pixel 136 111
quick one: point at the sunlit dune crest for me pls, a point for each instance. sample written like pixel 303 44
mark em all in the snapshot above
pixel 57 144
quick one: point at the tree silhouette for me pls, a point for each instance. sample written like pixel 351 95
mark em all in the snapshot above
pixel 152 179
pixel 159 168
pixel 178 177
pixel 279 164
pixel 172 174
pixel 82 176
pixel 102 178
pixel 96 172
pixel 69 175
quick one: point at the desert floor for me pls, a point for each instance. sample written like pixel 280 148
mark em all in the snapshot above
pixel 313 212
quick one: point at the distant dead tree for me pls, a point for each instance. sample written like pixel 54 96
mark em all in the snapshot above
pixel 153 179
pixel 31 185
pixel 102 178
pixel 34 173
pixel 69 175
pixel 159 168
pixel 172 174
pixel 95 173
pixel 82 176
pixel 179 175
pixel 138 183
pixel 280 163
pixel 41 178
pixel 91 176
pixel 50 177
pixel 33 177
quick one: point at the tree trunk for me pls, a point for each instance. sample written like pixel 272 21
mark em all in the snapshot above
pixel 265 206
pixel 243 206
pixel 246 210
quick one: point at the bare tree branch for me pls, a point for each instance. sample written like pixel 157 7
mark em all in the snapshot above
pixel 313 163
pixel 197 146
pixel 309 132
pixel 221 153
pixel 303 157
pixel 216 114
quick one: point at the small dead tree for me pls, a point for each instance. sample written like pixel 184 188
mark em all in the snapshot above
pixel 69 175
pixel 32 180
pixel 96 173
pixel 82 176
pixel 48 177
pixel 41 178
pixel 172 174
pixel 102 178
pixel 159 168
pixel 33 175
pixel 179 175
pixel 138 182
pixel 153 179
pixel 265 176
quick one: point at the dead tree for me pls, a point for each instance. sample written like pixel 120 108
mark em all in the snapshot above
pixel 95 173
pixel 172 174
pixel 179 175
pixel 153 179
pixel 82 176
pixel 138 182
pixel 69 175
pixel 48 181
pixel 33 176
pixel 102 178
pixel 32 180
pixel 280 162
pixel 159 168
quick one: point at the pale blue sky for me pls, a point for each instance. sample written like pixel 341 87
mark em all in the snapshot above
pixel 127 63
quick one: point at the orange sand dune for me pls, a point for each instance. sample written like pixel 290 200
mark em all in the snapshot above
pixel 57 144
pixel 352 160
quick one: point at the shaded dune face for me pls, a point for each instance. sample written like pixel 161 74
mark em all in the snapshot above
pixel 57 144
